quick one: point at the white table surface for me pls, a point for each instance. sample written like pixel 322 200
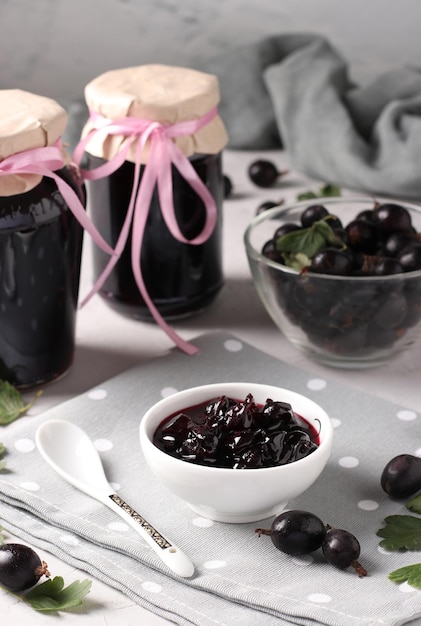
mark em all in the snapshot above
pixel 108 344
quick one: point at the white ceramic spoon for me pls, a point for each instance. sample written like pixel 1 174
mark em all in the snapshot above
pixel 70 452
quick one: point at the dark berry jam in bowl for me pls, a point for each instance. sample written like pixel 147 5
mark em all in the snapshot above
pixel 341 277
pixel 235 488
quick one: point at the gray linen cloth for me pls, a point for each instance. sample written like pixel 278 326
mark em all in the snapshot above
pixel 295 89
pixel 241 579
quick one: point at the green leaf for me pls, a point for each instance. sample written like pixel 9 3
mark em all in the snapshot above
pixel 296 260
pixel 52 595
pixel 330 191
pixel 326 191
pixel 12 404
pixel 402 532
pixel 409 573
pixel 414 504
pixel 307 242
pixel 307 195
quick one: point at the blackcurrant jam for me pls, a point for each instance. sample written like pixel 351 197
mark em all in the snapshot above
pixel 40 255
pixel 238 434
pixel 180 278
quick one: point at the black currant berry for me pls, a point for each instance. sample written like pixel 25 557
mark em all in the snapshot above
pixel 264 173
pixel 295 532
pixel 362 236
pixel 384 266
pixel 366 214
pixel 410 257
pixel 288 227
pixel 269 250
pixel 341 549
pixel 313 213
pixel 392 217
pixel 401 478
pixel 20 567
pixel 268 204
pixel 331 261
pixel 396 242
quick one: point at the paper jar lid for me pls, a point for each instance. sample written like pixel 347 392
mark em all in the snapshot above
pixel 158 93
pixel 27 121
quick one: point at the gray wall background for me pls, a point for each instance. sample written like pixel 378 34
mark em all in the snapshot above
pixel 54 47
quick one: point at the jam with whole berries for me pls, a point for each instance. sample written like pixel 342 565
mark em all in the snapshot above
pixel 238 434
pixel 180 278
pixel 40 255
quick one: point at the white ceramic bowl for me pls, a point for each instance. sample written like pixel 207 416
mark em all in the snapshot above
pixel 236 495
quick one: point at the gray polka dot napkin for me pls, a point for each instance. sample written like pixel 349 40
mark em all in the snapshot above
pixel 241 579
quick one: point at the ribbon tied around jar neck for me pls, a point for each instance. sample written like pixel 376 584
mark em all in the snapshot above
pixel 47 161
pixel 163 153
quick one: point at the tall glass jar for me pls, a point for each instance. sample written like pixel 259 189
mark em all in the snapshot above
pixel 181 278
pixel 40 243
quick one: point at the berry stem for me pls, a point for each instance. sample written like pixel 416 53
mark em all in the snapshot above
pixel 263 531
pixel 361 571
pixel 42 570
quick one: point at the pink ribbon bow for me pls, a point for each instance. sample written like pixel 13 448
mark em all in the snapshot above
pixel 163 152
pixel 46 161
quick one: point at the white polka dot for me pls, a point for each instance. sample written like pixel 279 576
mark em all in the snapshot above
pixel 97 394
pixel 336 422
pixel 316 384
pixel 30 486
pixel 202 522
pixel 368 505
pixel 70 540
pixel 406 416
pixel 24 445
pixel 148 585
pixel 102 445
pixel 233 345
pixel 168 391
pixel 214 564
pixel 304 559
pixel 320 598
pixel 348 461
pixel 406 588
pixel 118 526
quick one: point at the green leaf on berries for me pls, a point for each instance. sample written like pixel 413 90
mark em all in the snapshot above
pixel 12 404
pixel 52 595
pixel 414 504
pixel 402 532
pixel 296 260
pixel 410 574
pixel 307 241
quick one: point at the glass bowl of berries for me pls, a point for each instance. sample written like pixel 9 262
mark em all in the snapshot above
pixel 341 278
pixel 236 452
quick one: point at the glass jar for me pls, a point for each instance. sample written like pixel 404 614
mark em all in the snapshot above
pixel 181 278
pixel 40 257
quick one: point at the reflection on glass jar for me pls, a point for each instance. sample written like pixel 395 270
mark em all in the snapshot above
pixel 40 255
